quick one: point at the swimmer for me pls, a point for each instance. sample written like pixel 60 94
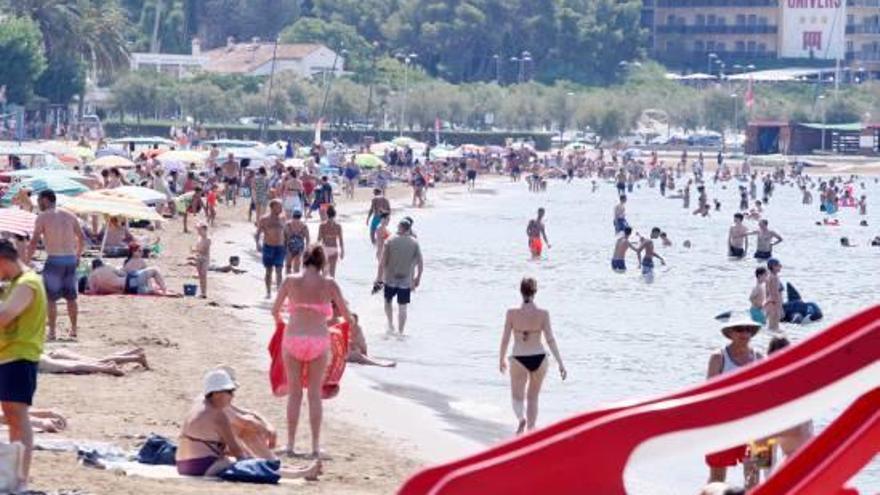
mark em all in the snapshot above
pixel 773 297
pixel 845 242
pixel 620 215
pixel 665 239
pixel 766 239
pixel 863 205
pixel 535 231
pixel 737 238
pixel 618 259
pixel 647 259
pixel 686 244
pixel 758 295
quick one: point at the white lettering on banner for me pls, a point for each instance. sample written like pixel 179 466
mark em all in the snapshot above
pixel 813 29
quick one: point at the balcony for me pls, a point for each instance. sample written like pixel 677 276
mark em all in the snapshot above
pixel 715 3
pixel 715 29
pixel 863 56
pixel 863 29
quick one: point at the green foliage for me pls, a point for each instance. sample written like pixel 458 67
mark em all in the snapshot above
pixel 64 78
pixel 204 102
pixel 21 52
pixel 143 93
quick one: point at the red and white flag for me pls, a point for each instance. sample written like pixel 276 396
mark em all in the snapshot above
pixel 749 97
pixel 318 131
pixel 437 131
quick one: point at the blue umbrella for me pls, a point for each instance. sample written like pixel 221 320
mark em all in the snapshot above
pixel 61 185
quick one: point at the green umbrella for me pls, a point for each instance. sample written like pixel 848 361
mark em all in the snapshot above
pixel 61 185
pixel 366 160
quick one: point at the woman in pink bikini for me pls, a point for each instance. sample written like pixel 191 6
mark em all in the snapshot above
pixel 310 297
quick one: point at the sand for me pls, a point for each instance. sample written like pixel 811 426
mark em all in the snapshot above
pixel 183 338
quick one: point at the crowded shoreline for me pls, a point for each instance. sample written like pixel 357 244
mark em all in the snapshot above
pixel 250 379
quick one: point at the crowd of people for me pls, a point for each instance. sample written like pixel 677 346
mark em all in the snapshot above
pixel 301 271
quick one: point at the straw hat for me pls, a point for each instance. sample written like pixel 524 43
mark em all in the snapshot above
pixel 740 323
pixel 218 380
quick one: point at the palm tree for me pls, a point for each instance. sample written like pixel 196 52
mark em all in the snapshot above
pixel 58 20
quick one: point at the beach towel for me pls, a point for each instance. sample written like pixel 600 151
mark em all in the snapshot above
pixel 258 471
pixel 339 340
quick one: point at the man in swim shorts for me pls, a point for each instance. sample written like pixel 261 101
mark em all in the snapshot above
pixel 620 215
pixel 535 231
pixel 737 238
pixel 766 239
pixel 231 173
pixel 271 228
pixel 378 207
pixel 618 259
pixel 63 239
pixel 758 295
pixel 647 259
pixel 400 269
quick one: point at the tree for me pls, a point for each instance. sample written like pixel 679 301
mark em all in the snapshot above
pixel 334 35
pixel 21 50
pixel 142 93
pixel 204 102
pixel 64 78
pixel 718 110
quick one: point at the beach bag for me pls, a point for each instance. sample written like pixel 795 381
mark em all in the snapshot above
pixel 258 471
pixel 11 474
pixel 157 450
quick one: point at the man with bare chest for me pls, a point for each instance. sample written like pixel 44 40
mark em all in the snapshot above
pixel 271 229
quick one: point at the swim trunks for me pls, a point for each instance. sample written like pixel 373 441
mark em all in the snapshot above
pixel 403 295
pixel 620 224
pixel 618 265
pixel 59 277
pixel 472 174
pixel 536 246
pixel 647 267
pixel 763 255
pixel 758 315
pixel 18 381
pixel 735 252
pixel 273 256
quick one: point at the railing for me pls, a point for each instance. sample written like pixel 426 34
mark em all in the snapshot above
pixel 716 29
pixel 863 29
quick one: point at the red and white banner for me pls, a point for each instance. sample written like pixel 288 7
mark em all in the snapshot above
pixel 436 131
pixel 813 29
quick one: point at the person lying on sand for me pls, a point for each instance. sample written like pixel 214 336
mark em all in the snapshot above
pixel 357 348
pixel 62 361
pixel 43 421
pixel 211 439
pixel 105 279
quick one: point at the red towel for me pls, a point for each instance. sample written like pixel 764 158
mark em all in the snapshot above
pixel 339 339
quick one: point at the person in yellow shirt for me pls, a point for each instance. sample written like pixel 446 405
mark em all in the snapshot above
pixel 22 333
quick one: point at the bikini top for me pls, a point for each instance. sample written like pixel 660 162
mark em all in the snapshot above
pixel 325 309
pixel 215 446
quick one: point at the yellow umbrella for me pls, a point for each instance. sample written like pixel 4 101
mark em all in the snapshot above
pixel 84 153
pixel 103 203
pixel 182 156
pixel 112 161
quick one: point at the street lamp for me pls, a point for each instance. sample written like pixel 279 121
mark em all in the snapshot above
pixel 824 119
pixel 407 59
pixel 712 56
pixel 735 98
pixel 497 59
pixel 524 58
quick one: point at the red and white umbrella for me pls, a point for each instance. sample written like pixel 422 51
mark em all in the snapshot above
pixel 17 221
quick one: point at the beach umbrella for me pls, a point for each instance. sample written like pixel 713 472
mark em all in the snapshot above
pixel 381 147
pixel 33 173
pixel 143 194
pixel 406 141
pixel 245 153
pixel 69 160
pixel 110 161
pixel 111 152
pixel 368 161
pixel 294 162
pixel 173 166
pixel 17 221
pixel 445 153
pixel 61 186
pixel 185 156
pixel 494 149
pixel 233 143
pixel 101 203
pixel 146 141
pixel 84 153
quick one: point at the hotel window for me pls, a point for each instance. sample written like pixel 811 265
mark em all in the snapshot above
pixel 752 46
pixel 711 20
pixel 740 19
pixel 849 47
pixel 699 46
pixel 721 20
pixel 763 21
pixel 670 21
pixel 740 46
pixel 701 20
pixel 753 20
pixel 710 46
pixel 720 46
pixel 850 20
pixel 762 47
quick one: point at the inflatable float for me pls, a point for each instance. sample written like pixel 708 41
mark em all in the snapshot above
pixel 339 340
pixel 588 453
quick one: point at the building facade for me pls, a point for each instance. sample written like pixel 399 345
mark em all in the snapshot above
pixel 708 35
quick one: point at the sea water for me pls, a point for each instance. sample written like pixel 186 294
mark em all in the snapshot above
pixel 620 337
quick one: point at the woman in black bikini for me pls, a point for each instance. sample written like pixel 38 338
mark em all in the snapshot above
pixel 528 361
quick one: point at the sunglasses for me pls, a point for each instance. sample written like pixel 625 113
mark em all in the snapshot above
pixel 741 330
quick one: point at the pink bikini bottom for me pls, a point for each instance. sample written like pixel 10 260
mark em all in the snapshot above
pixel 306 348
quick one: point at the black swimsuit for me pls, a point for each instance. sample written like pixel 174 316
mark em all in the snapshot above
pixel 531 363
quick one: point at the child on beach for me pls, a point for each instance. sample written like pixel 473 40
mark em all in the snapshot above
pixel 757 297
pixel 357 350
pixel 202 258
pixel 211 205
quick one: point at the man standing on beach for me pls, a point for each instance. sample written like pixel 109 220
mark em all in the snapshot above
pixel 22 332
pixel 379 206
pixel 535 231
pixel 618 259
pixel 766 239
pixel 63 238
pixel 231 172
pixel 773 295
pixel 737 238
pixel 400 269
pixel 271 228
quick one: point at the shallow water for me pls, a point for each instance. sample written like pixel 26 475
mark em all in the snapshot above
pixel 620 337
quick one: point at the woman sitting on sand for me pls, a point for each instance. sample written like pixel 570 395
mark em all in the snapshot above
pixel 357 348
pixel 62 361
pixel 209 442
pixel 528 362
pixel 310 297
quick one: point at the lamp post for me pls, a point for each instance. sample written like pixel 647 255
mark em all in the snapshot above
pixel 265 122
pixel 824 119
pixel 497 59
pixel 735 98
pixel 524 58
pixel 330 81
pixel 712 56
pixel 407 59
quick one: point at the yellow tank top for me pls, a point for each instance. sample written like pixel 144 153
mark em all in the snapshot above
pixel 23 338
